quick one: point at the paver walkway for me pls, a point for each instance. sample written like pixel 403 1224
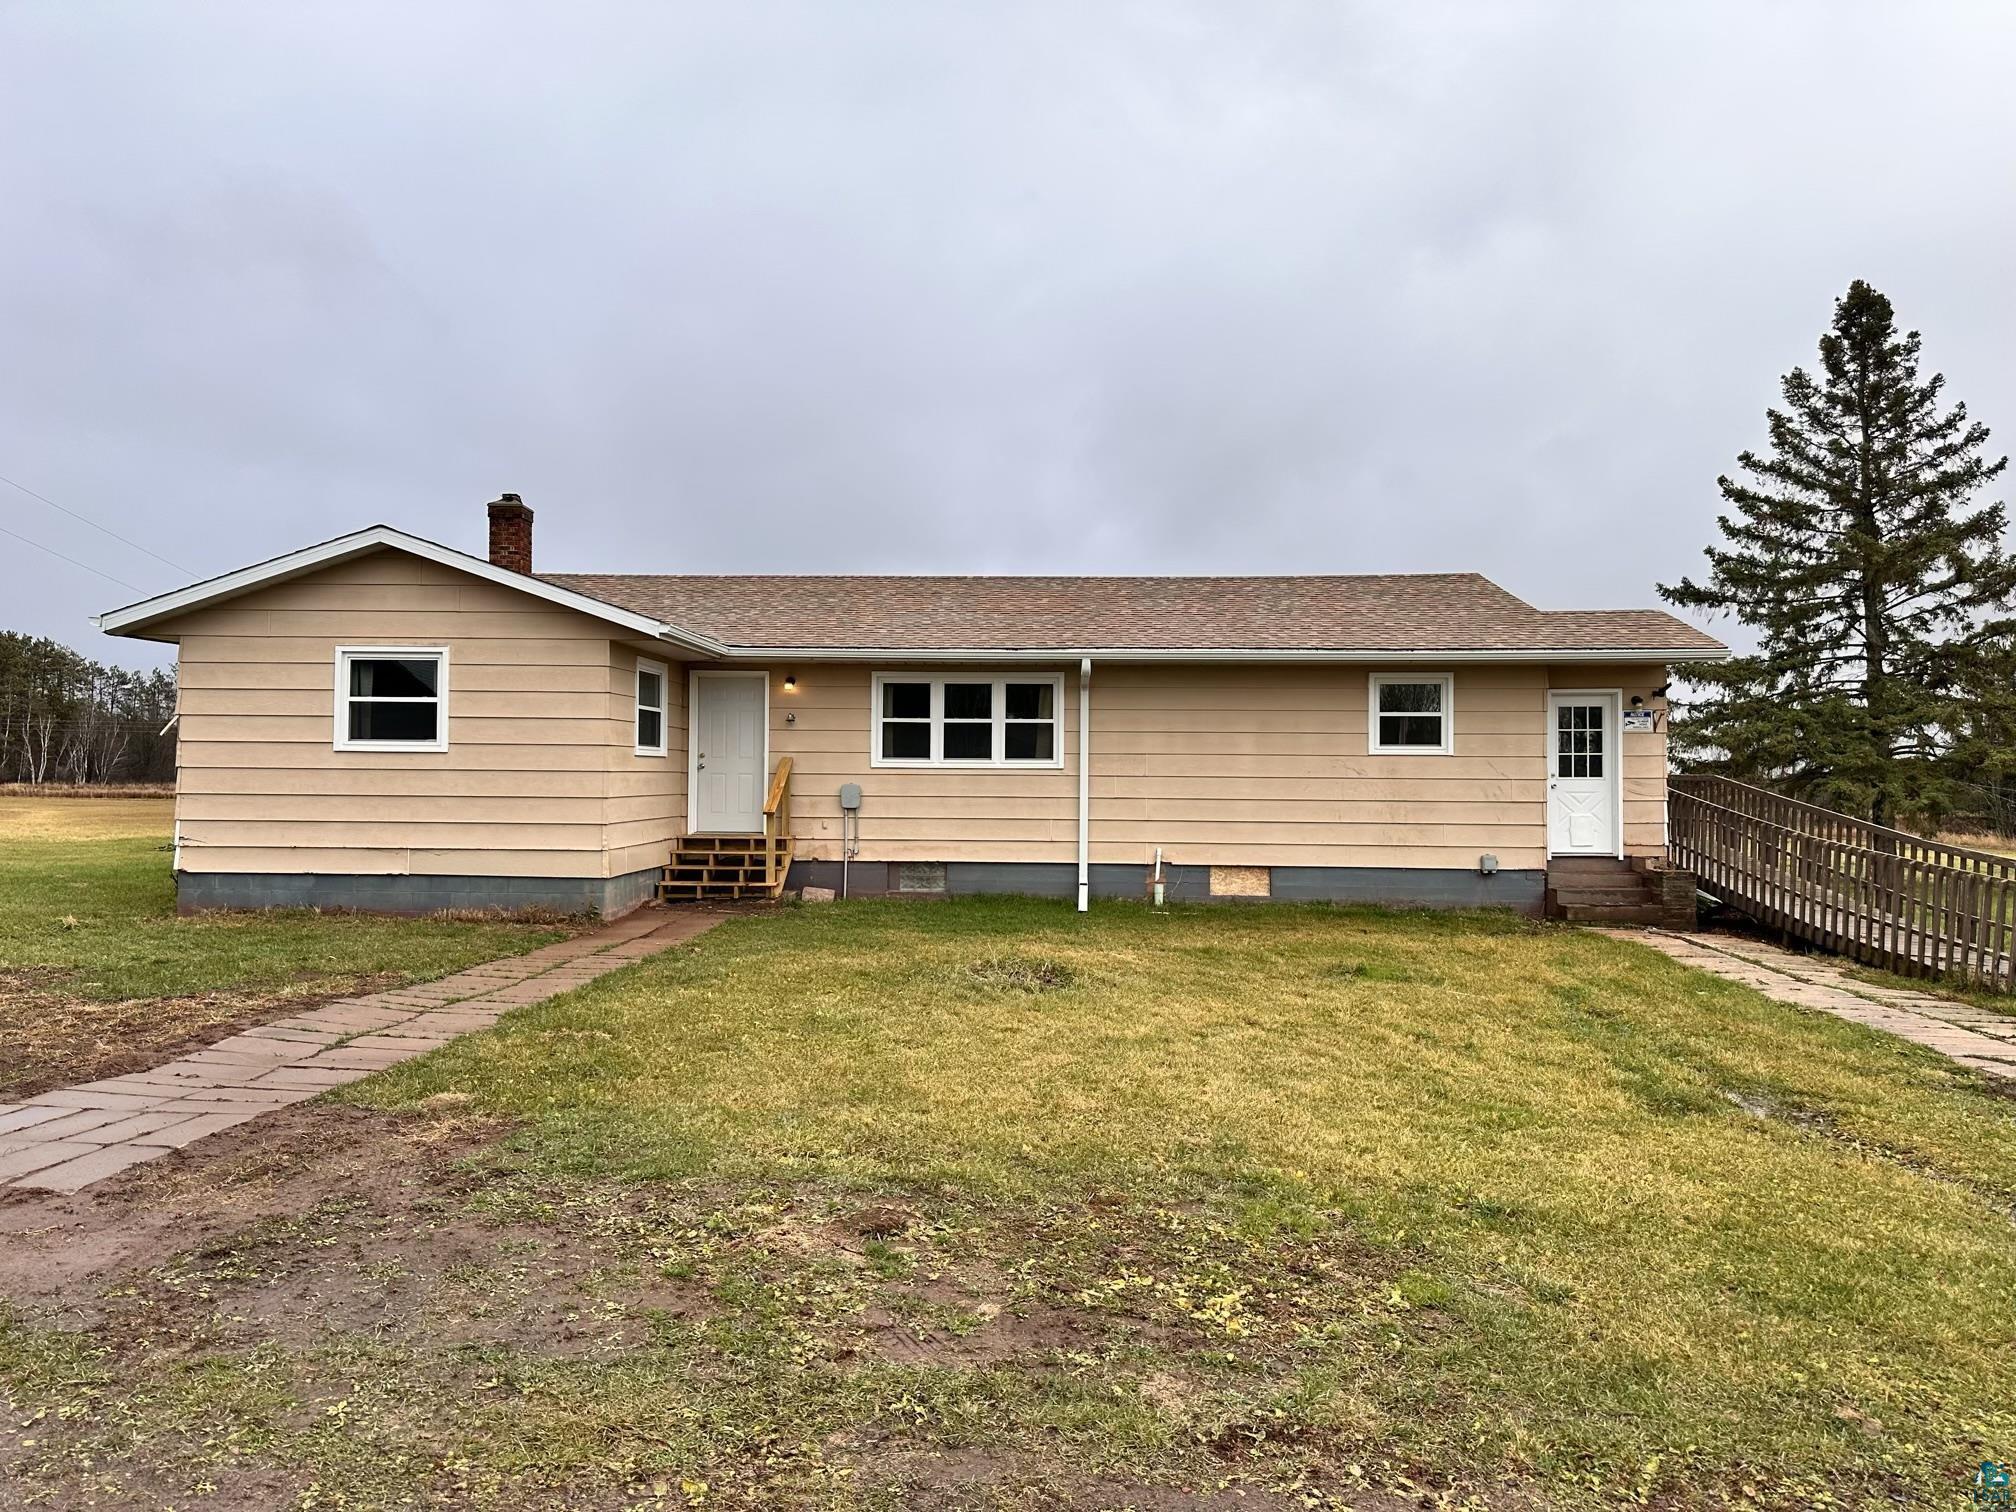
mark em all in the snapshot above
pixel 69 1138
pixel 1979 1038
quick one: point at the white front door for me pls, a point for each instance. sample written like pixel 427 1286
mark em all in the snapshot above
pixel 1582 785
pixel 730 745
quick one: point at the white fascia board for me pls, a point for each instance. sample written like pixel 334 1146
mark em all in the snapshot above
pixel 1209 654
pixel 133 617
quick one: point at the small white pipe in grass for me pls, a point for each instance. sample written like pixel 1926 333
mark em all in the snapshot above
pixel 1158 877
pixel 1084 784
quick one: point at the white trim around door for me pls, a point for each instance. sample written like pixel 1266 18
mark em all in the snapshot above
pixel 1565 787
pixel 695 680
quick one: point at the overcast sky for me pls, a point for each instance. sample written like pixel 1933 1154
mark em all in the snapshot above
pixel 1005 286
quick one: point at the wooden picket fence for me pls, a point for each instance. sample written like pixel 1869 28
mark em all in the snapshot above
pixel 1878 895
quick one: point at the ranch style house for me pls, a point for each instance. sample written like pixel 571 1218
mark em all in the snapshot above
pixel 381 722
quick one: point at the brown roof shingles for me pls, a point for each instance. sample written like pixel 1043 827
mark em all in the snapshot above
pixel 1413 612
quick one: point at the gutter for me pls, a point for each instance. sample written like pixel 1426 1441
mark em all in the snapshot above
pixel 901 654
pixel 1084 783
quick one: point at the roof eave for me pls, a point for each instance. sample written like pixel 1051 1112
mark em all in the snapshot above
pixel 1217 654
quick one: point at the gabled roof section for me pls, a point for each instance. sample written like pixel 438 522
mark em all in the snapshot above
pixel 133 619
pixel 1370 617
pixel 1455 615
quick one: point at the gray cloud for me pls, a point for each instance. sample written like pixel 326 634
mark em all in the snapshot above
pixel 923 287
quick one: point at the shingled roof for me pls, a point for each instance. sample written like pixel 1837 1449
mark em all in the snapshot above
pixel 1384 612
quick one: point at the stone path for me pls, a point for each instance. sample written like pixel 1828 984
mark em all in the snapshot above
pixel 1979 1038
pixel 69 1138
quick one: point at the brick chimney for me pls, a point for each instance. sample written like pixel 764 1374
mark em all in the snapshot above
pixel 511 534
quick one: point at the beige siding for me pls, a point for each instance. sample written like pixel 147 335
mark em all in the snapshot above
pixel 525 788
pixel 1256 766
pixel 906 814
pixel 1218 765
pixel 647 794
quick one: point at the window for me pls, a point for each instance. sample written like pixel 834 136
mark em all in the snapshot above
pixel 391 698
pixel 1578 739
pixel 650 708
pixel 1412 715
pixel 967 720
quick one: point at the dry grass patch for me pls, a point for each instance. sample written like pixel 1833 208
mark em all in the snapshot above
pixel 1285 1207
pixel 1570 1259
pixel 98 975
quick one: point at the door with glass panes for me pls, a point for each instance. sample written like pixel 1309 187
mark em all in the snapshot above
pixel 1582 776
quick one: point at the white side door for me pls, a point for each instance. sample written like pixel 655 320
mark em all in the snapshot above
pixel 731 750
pixel 1582 775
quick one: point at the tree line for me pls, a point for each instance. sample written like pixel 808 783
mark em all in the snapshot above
pixel 1877 583
pixel 65 718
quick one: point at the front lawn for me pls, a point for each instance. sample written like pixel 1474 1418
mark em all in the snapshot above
pixel 1454 1198
pixel 96 971
pixel 988 1204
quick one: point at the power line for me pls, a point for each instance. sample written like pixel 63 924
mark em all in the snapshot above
pixel 70 559
pixel 97 527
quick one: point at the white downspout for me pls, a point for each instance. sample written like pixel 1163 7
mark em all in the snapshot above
pixel 1084 783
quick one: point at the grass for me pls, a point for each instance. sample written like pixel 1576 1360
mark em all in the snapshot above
pixel 2000 845
pixel 94 963
pixel 1584 1220
pixel 987 1203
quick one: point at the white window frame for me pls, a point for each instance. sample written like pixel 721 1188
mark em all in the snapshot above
pixel 937 759
pixel 347 654
pixel 1378 680
pixel 637 706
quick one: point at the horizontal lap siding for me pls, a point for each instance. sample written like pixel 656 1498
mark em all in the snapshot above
pixel 647 794
pixel 999 814
pixel 1267 766
pixel 1217 765
pixel 523 789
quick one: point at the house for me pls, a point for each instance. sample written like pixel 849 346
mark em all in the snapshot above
pixel 382 722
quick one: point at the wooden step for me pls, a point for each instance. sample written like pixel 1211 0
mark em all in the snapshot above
pixel 1611 913
pixel 1599 890
pixel 1589 866
pixel 724 867
pixel 1600 897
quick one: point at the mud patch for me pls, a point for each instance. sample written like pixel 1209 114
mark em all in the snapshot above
pixel 63 1250
pixel 311 1225
pixel 50 1039
pixel 983 1480
pixel 881 1220
pixel 912 1329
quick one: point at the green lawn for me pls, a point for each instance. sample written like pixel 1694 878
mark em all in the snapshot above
pixel 95 964
pixel 990 1204
pixel 1460 1199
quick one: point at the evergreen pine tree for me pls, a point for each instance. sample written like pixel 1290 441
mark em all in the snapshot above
pixel 1879 591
